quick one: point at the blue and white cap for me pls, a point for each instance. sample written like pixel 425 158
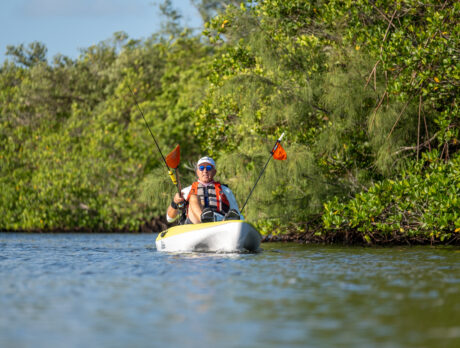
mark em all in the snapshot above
pixel 206 159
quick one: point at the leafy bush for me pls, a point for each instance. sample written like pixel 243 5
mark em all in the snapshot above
pixel 424 201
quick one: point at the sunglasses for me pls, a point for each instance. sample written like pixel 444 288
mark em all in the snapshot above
pixel 208 168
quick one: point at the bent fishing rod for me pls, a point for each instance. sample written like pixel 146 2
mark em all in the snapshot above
pixel 263 170
pixel 173 158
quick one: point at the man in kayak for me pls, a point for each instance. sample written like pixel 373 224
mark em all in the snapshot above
pixel 206 200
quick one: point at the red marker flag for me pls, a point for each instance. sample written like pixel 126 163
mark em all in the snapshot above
pixel 279 153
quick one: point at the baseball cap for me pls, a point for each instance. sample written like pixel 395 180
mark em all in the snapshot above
pixel 206 159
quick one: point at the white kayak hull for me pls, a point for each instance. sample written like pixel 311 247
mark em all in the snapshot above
pixel 223 236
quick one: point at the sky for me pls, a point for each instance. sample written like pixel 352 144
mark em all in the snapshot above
pixel 66 26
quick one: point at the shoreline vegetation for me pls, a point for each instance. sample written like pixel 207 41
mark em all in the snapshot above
pixel 345 238
pixel 366 93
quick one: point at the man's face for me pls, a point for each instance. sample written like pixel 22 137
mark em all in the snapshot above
pixel 205 175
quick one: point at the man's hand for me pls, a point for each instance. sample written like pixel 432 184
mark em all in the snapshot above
pixel 179 201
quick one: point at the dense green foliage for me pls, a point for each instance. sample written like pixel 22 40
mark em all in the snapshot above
pixel 363 90
pixel 358 95
pixel 75 150
pixel 423 201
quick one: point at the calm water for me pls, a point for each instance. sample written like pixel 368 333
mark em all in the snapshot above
pixel 80 290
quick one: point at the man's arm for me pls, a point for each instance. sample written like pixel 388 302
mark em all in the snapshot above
pixel 173 210
pixel 194 209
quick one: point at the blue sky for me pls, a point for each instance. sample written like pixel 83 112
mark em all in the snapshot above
pixel 65 26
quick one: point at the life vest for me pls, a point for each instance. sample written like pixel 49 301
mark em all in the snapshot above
pixel 211 196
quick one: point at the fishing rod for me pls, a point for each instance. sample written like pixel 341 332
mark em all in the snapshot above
pixel 263 170
pixel 172 159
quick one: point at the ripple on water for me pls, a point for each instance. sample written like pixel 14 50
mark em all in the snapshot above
pixel 117 290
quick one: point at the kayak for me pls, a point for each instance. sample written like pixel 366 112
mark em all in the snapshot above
pixel 223 236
